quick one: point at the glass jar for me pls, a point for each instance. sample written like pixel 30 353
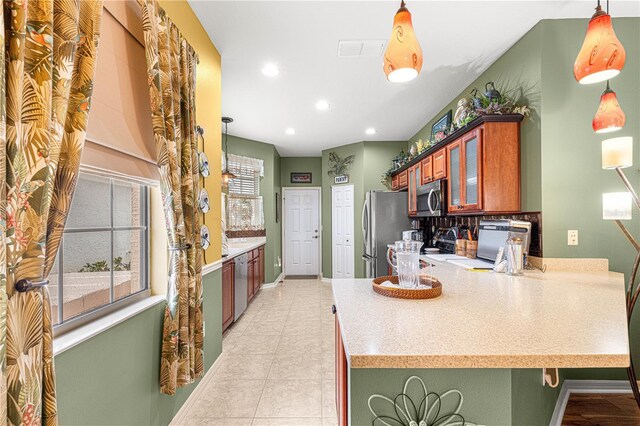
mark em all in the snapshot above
pixel 515 256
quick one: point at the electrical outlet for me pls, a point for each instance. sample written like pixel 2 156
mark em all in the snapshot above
pixel 572 237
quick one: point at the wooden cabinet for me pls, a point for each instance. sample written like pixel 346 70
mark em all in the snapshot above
pixel 228 290
pixel 257 275
pixel 481 163
pixel 415 180
pixel 465 173
pixel 342 374
pixel 439 164
pixel 255 271
pixel 426 167
pixel 403 179
pixel 251 291
pixel 261 263
pixel 483 168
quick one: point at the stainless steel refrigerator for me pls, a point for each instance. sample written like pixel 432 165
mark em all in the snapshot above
pixel 384 216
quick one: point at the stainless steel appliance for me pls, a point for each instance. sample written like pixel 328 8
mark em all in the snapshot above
pixel 240 287
pixel 431 199
pixel 384 216
pixel 495 233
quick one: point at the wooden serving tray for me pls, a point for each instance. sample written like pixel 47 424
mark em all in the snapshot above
pixel 405 293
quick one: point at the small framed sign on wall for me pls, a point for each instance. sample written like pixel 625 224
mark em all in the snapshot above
pixel 300 177
pixel 341 179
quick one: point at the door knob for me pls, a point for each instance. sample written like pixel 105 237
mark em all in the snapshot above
pixel 315 236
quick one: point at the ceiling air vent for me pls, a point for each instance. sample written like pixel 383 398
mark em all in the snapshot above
pixel 360 48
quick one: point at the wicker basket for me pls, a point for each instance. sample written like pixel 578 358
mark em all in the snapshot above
pixel 405 293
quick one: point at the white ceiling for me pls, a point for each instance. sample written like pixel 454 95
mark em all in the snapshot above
pixel 459 40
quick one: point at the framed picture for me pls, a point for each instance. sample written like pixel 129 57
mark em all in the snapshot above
pixel 440 127
pixel 300 177
pixel 341 179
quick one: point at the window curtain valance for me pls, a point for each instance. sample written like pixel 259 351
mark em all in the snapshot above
pixel 239 164
pixel 171 71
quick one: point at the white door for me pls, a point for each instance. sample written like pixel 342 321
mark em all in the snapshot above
pixel 342 252
pixel 301 231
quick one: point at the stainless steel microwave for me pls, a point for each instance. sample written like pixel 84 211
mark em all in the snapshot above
pixel 431 199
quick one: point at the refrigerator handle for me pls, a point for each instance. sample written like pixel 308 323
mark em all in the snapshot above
pixel 365 225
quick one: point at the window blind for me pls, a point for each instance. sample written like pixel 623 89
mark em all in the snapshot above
pixel 119 130
pixel 244 203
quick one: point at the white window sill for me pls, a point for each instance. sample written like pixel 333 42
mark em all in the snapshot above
pixel 74 337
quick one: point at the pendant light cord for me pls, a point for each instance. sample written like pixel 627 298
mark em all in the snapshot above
pixel 226 146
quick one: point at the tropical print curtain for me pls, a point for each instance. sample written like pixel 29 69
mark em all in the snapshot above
pixel 171 67
pixel 46 82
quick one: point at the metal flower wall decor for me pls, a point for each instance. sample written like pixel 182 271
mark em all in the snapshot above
pixel 339 166
pixel 431 409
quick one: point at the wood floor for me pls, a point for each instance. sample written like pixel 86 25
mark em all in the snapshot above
pixel 601 410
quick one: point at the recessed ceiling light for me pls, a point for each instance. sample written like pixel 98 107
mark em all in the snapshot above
pixel 290 131
pixel 370 131
pixel 322 105
pixel 270 70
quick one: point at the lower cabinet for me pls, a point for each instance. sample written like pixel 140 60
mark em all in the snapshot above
pixel 342 374
pixel 228 284
pixel 255 271
pixel 261 267
pixel 250 273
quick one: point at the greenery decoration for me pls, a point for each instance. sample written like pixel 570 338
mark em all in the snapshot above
pixel 339 166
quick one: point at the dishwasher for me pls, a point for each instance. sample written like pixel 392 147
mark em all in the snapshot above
pixel 240 286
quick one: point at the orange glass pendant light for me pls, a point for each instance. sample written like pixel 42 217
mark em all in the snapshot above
pixel 609 116
pixel 602 55
pixel 403 57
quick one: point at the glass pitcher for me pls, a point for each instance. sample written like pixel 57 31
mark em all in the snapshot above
pixel 406 262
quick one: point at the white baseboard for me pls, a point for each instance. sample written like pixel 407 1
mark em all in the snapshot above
pixel 325 280
pixel 585 386
pixel 182 412
pixel 275 283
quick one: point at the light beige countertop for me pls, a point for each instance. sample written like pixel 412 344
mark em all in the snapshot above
pixel 488 320
pixel 238 246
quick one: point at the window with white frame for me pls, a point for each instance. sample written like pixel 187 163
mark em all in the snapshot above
pixel 103 260
pixel 244 203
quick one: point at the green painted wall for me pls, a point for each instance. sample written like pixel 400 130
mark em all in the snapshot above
pixel 491 396
pixel 572 178
pixel 377 157
pixel 519 67
pixel 532 403
pixel 371 160
pixel 311 165
pixel 113 378
pixel 269 186
pixel 486 393
pixel 356 178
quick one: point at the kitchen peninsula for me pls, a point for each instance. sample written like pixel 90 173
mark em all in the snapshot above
pixel 488 336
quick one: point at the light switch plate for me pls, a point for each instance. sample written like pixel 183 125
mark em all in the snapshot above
pixel 572 237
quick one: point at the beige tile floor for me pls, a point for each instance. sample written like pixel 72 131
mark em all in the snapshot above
pixel 277 365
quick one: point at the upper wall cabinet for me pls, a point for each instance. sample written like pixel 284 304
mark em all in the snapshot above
pixel 483 166
pixel 481 163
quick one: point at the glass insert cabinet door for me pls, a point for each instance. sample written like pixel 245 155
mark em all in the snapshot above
pixel 472 173
pixel 455 189
pixel 471 168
